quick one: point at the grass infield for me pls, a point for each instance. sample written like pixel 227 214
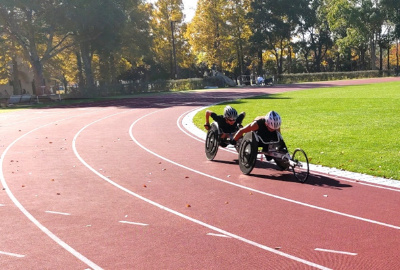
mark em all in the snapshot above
pixel 353 128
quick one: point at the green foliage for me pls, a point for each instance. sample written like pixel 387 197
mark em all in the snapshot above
pixel 352 127
pixel 329 76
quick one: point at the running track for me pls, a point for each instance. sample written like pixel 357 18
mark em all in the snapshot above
pixel 124 185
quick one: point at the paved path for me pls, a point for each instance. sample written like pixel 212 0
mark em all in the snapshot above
pixel 124 185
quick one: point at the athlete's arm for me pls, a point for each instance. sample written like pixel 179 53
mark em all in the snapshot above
pixel 250 127
pixel 207 124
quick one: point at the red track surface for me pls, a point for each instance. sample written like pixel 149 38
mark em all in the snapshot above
pixel 120 185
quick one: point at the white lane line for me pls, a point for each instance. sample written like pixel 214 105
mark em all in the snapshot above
pixel 336 251
pixel 272 195
pixel 12 254
pixel 272 250
pixel 58 213
pixel 133 223
pixel 218 235
pixel 359 178
pixel 29 215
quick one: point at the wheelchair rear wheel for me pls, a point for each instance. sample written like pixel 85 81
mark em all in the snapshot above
pixel 212 142
pixel 248 151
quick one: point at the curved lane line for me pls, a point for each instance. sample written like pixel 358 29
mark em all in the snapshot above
pixel 272 250
pixel 361 179
pixel 29 215
pixel 258 191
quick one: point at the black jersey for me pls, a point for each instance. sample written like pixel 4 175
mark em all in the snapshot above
pixel 264 133
pixel 224 126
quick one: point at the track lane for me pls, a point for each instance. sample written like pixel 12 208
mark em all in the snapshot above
pixel 112 206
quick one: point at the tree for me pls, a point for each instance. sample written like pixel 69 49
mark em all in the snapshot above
pixel 238 33
pixel 315 36
pixel 167 24
pixel 356 24
pixel 97 26
pixel 206 33
pixel 274 22
pixel 33 25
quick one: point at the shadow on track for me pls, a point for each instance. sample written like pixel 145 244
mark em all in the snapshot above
pixel 272 172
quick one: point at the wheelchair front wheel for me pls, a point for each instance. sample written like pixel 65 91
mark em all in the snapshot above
pixel 300 165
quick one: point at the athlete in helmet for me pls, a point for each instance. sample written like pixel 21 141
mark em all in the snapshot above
pixel 229 122
pixel 266 127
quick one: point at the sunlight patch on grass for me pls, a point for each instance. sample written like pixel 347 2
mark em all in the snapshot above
pixel 351 127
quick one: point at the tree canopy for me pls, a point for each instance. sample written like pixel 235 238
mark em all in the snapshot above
pixel 100 42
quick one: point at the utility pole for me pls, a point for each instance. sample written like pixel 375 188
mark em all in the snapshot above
pixel 175 68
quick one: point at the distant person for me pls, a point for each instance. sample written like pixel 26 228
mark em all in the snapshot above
pixel 260 80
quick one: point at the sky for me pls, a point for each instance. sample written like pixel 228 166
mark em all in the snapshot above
pixel 189 8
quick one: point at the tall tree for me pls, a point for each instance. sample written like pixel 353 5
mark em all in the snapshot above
pixel 315 36
pixel 97 27
pixel 238 34
pixel 34 25
pixel 206 33
pixel 274 22
pixel 356 24
pixel 167 25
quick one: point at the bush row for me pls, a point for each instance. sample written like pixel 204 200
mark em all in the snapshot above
pixel 218 81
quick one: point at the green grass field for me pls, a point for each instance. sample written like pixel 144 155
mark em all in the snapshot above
pixel 354 128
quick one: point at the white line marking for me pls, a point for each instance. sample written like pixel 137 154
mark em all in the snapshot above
pixel 58 213
pixel 272 250
pixel 361 179
pixel 134 223
pixel 336 251
pixel 218 235
pixel 269 194
pixel 29 215
pixel 12 254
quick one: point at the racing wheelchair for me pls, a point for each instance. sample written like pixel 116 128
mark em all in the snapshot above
pixel 252 145
pixel 214 141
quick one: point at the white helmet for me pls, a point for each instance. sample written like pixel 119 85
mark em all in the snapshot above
pixel 230 113
pixel 273 120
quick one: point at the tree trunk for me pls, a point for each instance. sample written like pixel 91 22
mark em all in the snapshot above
pixel 40 84
pixel 260 62
pixel 16 81
pixel 373 53
pixel 87 65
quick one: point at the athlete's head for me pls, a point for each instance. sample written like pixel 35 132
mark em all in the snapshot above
pixel 273 120
pixel 230 114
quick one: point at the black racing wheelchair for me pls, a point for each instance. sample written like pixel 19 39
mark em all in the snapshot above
pixel 214 141
pixel 252 145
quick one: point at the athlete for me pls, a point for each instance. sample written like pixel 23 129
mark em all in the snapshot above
pixel 229 122
pixel 265 126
